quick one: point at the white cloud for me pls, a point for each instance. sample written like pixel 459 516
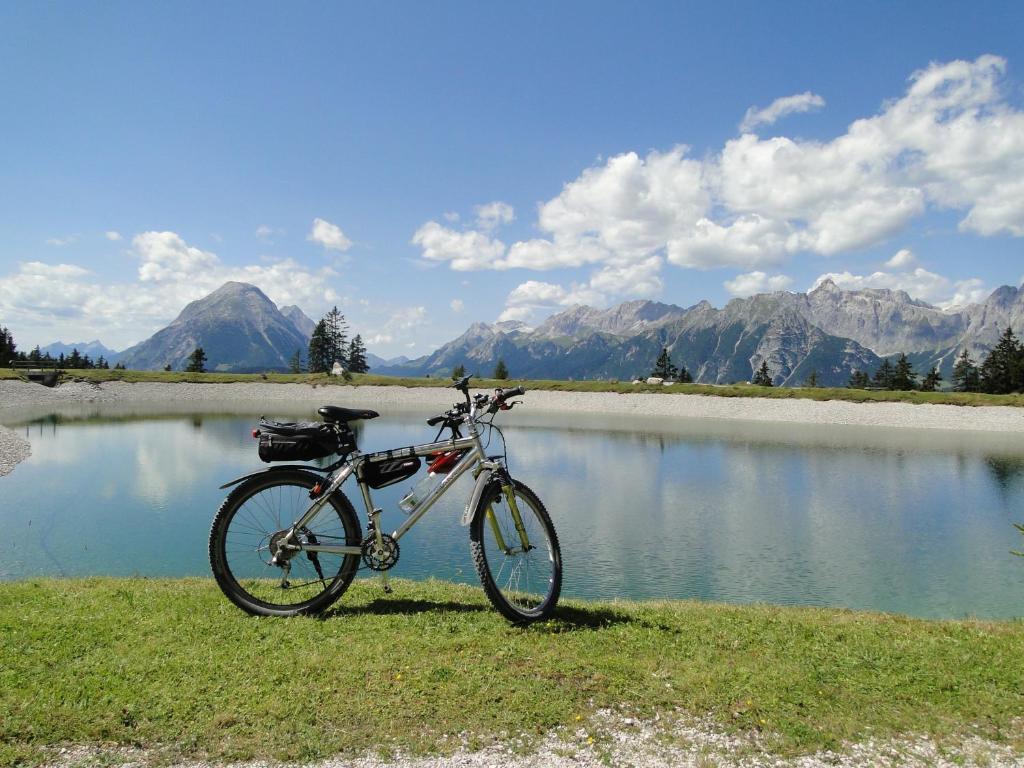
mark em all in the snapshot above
pixel 534 297
pixel 268 233
pixel 918 282
pixel 463 250
pixel 112 235
pixel 165 256
pixel 457 305
pixel 494 214
pixel 951 141
pixel 60 242
pixel 903 259
pixel 329 236
pixel 787 105
pixel 451 216
pixel 756 282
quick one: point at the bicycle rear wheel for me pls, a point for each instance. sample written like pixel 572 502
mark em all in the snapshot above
pixel 256 512
pixel 519 565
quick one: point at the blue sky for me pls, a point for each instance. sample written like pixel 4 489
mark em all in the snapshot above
pixel 427 165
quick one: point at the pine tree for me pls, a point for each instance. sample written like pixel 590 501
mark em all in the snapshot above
pixel 763 377
pixel 931 380
pixel 337 338
pixel 663 367
pixel 858 380
pixel 812 380
pixel 74 359
pixel 35 355
pixel 684 376
pixel 357 355
pixel 8 349
pixel 903 376
pixel 196 361
pixel 500 370
pixel 101 363
pixel 1002 371
pixel 458 371
pixel 883 377
pixel 295 363
pixel 319 357
pixel 167 367
pixel 966 377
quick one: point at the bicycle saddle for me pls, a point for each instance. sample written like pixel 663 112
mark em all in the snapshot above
pixel 336 413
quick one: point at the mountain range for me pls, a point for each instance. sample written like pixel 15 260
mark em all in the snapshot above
pixel 94 349
pixel 829 331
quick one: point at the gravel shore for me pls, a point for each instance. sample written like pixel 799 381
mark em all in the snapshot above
pixel 17 398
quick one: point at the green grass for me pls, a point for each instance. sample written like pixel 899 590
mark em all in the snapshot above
pixel 171 665
pixel 732 390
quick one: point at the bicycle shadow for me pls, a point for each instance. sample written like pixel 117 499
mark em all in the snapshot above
pixel 566 618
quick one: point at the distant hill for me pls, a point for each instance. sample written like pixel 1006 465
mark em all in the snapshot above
pixel 94 349
pixel 238 327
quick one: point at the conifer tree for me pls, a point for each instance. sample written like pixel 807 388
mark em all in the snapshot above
pixel 883 377
pixel 903 376
pixel 8 348
pixel 357 355
pixel 295 363
pixel 74 359
pixel 858 380
pixel 337 337
pixel 196 361
pixel 319 358
pixel 500 370
pixel 931 380
pixel 966 377
pixel 763 377
pixel 684 376
pixel 812 379
pixel 1002 371
pixel 663 367
pixel 458 371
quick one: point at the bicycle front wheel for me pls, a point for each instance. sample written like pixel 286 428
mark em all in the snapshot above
pixel 516 553
pixel 249 524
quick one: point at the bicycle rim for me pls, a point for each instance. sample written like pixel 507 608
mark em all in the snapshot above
pixel 523 585
pixel 245 547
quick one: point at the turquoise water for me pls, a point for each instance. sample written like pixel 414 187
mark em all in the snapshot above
pixel 912 522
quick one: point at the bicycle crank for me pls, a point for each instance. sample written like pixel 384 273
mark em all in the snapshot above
pixel 382 556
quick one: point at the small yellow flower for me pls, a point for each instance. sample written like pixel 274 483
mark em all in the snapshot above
pixel 763 721
pixel 398 676
pixel 590 739
pixel 578 718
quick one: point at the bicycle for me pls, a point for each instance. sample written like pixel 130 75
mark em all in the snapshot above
pixel 287 541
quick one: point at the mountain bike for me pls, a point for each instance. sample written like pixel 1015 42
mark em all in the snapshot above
pixel 287 541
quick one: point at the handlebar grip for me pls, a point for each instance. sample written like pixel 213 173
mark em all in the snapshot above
pixel 433 421
pixel 514 392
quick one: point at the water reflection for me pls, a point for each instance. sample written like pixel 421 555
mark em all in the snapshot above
pixel 892 520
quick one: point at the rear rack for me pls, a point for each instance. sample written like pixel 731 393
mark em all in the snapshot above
pixel 39 371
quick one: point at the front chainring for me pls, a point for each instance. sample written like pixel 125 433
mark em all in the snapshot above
pixel 383 557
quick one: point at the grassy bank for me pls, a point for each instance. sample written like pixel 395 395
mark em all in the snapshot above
pixel 170 664
pixel 732 390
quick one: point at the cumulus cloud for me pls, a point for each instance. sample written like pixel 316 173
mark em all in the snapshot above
pixel 328 235
pixel 457 305
pixel 494 214
pixel 787 105
pixel 917 282
pixel 466 250
pixel 756 282
pixel 903 259
pixel 112 235
pixel 951 141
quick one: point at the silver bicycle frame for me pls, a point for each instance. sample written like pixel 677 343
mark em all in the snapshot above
pixel 473 458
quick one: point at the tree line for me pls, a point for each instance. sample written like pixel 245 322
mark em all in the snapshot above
pixel 1001 372
pixel 75 361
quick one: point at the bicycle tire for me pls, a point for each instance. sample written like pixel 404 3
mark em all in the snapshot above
pixel 501 587
pixel 242 570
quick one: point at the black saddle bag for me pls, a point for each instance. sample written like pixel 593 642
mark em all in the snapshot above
pixel 303 441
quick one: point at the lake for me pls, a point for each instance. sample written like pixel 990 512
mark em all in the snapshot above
pixel 915 522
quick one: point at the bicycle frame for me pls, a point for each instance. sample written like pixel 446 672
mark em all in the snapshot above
pixel 474 458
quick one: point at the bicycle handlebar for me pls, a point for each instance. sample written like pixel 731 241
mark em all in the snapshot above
pixel 493 404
